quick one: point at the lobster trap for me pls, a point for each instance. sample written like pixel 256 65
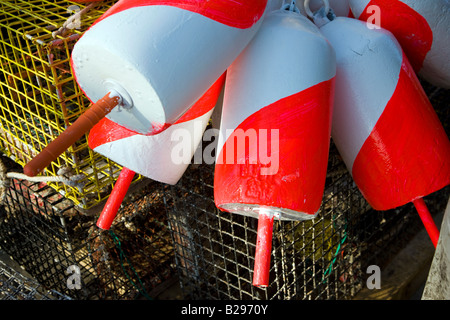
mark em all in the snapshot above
pixel 39 97
pixel 17 286
pixel 66 252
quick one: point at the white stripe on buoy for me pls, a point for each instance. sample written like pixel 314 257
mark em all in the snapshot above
pixel 373 94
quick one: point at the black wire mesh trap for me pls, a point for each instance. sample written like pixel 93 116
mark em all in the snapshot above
pixel 16 286
pixel 44 233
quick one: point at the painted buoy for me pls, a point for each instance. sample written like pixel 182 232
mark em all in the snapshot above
pixel 420 26
pixel 384 126
pixel 162 157
pixel 162 55
pixel 159 57
pixel 275 128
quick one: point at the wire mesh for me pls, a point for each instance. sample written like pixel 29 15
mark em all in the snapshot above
pixel 46 234
pixel 17 286
pixel 39 96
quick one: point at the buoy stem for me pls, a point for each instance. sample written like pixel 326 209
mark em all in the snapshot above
pixel 115 199
pixel 427 220
pixel 261 269
pixel 74 132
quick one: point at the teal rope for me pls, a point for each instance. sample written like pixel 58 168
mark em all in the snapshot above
pixel 122 256
pixel 338 249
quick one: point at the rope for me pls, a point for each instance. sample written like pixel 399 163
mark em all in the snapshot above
pixel 140 288
pixel 338 249
pixel 5 177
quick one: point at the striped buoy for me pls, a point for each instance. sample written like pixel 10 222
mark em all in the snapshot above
pixel 162 157
pixel 149 61
pixel 384 126
pixel 162 55
pixel 420 26
pixel 274 137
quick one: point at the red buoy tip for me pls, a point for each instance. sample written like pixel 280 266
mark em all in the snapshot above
pixel 115 199
pixel 261 269
pixel 427 220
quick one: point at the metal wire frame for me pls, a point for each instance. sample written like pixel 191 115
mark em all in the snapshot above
pixel 16 286
pixel 39 96
pixel 44 232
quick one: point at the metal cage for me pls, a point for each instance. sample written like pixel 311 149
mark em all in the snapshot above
pixel 46 234
pixel 39 96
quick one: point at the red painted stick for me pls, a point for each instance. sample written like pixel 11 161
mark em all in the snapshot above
pixel 427 220
pixel 263 252
pixel 72 133
pixel 115 199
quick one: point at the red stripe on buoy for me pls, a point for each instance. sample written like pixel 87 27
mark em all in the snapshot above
pixel 350 14
pixel 408 26
pixel 108 131
pixel 303 121
pixel 206 102
pixel 241 14
pixel 407 154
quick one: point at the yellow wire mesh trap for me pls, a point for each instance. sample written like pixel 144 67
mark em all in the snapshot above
pixel 39 96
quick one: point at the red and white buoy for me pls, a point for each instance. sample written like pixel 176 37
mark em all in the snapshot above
pixel 274 137
pixel 161 54
pixel 420 26
pixel 159 57
pixel 384 126
pixel 162 157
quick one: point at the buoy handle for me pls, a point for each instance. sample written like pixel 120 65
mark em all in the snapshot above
pixel 310 13
pixel 261 269
pixel 115 199
pixel 74 132
pixel 427 220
